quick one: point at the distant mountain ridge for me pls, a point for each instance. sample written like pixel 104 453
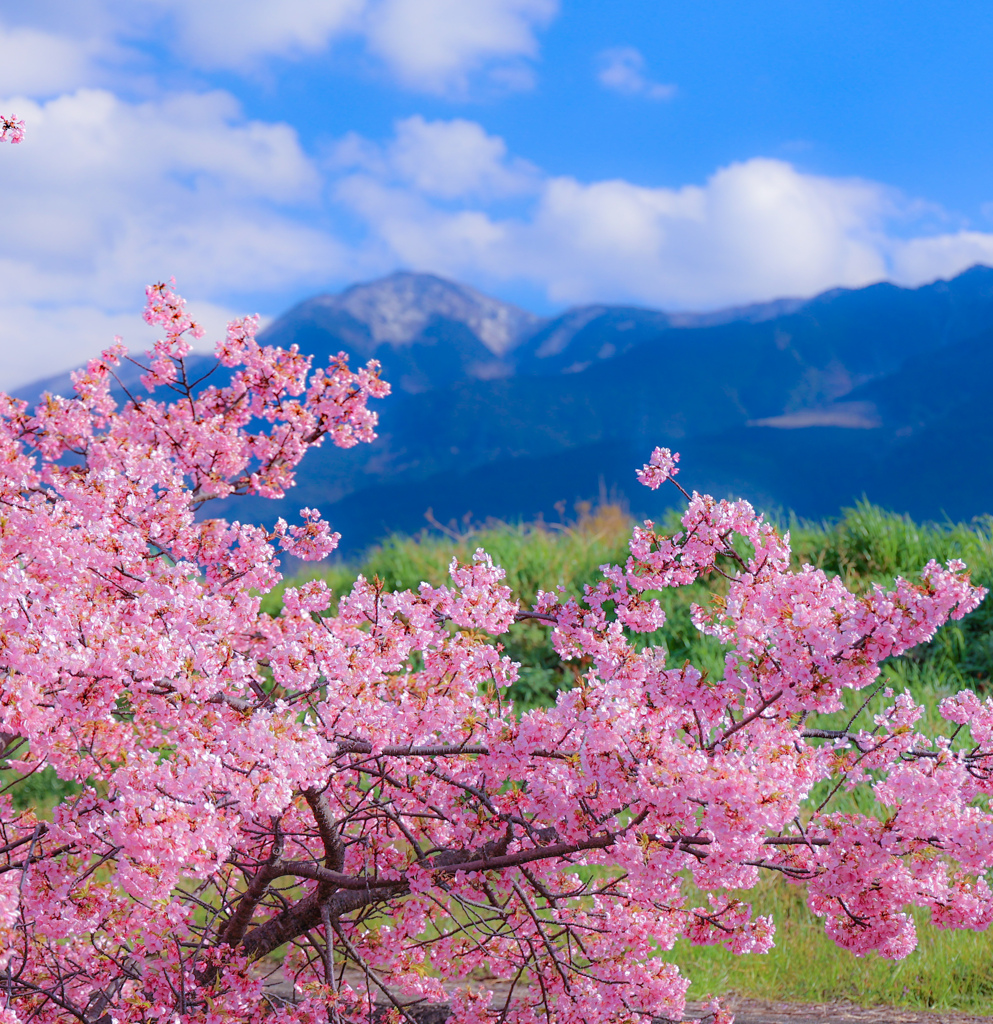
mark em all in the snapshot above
pixel 425 330
pixel 795 404
pixel 428 331
pixel 398 308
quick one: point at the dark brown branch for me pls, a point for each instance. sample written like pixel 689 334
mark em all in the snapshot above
pixel 293 922
pixel 334 850
pixel 686 843
pixel 527 856
pixel 35 858
pixel 305 869
pixel 360 891
pixel 801 874
pixel 544 616
pixel 304 915
pixel 494 848
pixel 233 932
pixel 767 703
pixel 237 703
pixel 408 750
pixel 52 997
pixel 41 829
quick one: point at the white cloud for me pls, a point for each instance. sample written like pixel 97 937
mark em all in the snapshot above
pixel 924 259
pixel 237 33
pixel 755 230
pixel 622 69
pixel 438 46
pixel 49 47
pixel 42 64
pixel 112 196
pixel 104 185
pixel 456 158
pixel 444 159
pixel 435 44
pixel 428 44
pixel 406 229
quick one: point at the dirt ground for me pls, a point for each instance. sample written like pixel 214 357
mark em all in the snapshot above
pixel 746 1011
pixel 755 1011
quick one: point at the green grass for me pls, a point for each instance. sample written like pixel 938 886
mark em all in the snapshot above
pixel 41 790
pixel 867 544
pixel 950 970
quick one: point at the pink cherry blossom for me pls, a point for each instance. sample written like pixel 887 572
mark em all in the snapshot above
pixel 346 782
pixel 660 467
pixel 11 129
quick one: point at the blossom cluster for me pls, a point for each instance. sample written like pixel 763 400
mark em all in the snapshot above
pixel 346 784
pixel 659 468
pixel 11 129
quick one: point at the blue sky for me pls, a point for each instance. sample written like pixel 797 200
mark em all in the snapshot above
pixel 552 152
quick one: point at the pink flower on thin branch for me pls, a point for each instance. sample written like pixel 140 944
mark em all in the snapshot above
pixel 11 129
pixel 660 467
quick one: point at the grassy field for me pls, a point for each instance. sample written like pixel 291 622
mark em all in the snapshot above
pixel 864 545
pixel 948 971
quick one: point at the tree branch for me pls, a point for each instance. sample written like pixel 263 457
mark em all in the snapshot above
pixel 747 719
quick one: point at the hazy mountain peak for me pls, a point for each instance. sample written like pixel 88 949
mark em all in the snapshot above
pixel 396 309
pixel 566 328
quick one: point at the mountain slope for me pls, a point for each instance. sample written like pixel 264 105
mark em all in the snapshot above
pixel 798 404
pixel 427 332
pixel 795 405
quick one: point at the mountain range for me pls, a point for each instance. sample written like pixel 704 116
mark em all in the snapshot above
pixel 800 405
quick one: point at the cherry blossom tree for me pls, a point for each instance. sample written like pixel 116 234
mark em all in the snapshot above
pixel 348 797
